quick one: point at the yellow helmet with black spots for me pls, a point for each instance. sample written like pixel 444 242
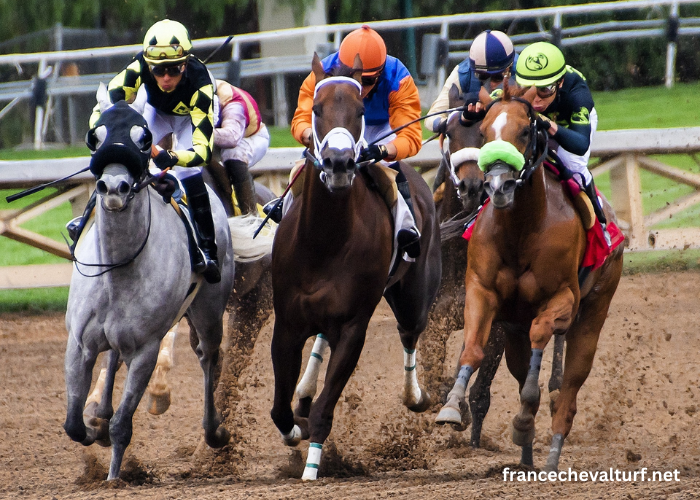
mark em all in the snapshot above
pixel 166 43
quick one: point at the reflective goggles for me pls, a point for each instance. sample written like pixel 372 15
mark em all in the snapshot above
pixel 548 91
pixel 495 77
pixel 164 52
pixel 167 70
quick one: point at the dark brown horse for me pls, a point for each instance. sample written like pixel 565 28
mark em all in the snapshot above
pixel 522 270
pixel 330 268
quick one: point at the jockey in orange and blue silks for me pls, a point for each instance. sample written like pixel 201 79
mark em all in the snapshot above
pixel 391 100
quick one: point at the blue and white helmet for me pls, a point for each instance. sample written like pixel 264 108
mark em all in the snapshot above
pixel 491 52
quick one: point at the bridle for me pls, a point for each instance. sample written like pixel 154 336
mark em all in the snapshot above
pixel 137 186
pixel 337 137
pixel 537 137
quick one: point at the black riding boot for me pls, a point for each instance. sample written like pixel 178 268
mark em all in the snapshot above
pixel 598 209
pixel 408 239
pixel 75 226
pixel 198 201
pixel 243 185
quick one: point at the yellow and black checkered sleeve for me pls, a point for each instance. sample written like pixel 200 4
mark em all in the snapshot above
pixel 122 87
pixel 202 114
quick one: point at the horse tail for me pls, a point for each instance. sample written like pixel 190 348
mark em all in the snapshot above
pixel 245 247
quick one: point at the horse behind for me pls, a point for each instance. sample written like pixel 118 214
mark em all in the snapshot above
pixel 523 273
pixel 132 283
pixel 331 264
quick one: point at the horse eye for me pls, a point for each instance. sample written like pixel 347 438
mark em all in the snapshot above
pixel 316 110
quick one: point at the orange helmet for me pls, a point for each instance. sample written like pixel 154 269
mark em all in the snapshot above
pixel 366 43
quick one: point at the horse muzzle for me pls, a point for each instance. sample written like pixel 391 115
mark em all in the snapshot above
pixel 115 188
pixel 500 183
pixel 338 168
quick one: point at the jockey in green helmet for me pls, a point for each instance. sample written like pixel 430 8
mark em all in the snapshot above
pixel 566 111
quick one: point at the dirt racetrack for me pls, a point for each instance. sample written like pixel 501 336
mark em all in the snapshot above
pixel 640 408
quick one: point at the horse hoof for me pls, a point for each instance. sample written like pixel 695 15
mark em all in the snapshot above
pixel 523 437
pixel 158 402
pixel 449 415
pixel 422 405
pixel 220 439
pixel 294 436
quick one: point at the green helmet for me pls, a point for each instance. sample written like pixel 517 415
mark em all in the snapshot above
pixel 539 64
pixel 166 43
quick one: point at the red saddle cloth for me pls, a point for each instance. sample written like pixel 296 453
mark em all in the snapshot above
pixel 597 249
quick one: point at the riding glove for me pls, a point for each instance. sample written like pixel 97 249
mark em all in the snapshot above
pixel 165 159
pixel 375 152
pixel 470 117
pixel 543 122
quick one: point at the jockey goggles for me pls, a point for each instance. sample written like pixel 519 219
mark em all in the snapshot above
pixel 369 81
pixel 173 71
pixel 547 91
pixel 164 52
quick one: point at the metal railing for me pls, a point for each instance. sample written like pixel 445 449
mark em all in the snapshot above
pixel 276 68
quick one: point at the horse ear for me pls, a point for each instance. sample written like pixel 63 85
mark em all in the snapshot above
pixel 317 68
pixel 453 95
pixel 357 68
pixel 530 94
pixel 103 97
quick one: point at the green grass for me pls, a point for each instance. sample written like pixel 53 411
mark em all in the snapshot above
pixel 655 107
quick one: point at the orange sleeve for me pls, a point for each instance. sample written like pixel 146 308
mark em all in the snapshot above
pixel 302 115
pixel 404 106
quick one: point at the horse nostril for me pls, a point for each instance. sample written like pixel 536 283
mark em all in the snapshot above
pixel 123 187
pixel 101 188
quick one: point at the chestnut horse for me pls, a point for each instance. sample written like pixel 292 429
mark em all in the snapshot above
pixel 459 189
pixel 331 264
pixel 522 270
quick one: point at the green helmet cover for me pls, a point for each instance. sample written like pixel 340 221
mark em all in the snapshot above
pixel 540 64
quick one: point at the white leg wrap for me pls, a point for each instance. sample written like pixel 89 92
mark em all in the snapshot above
pixel 411 389
pixel 307 385
pixel 313 460
pixel 294 436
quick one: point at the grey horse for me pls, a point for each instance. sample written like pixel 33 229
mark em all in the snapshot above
pixel 132 282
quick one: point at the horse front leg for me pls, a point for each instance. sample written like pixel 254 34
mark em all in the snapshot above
pixel 286 352
pixel 79 362
pixel 556 315
pixel 479 311
pixel 344 357
pixel 98 407
pixel 158 391
pixel 139 370
pixel 306 389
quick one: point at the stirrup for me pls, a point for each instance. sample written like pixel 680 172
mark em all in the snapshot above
pixel 207 267
pixel 269 209
pixel 409 241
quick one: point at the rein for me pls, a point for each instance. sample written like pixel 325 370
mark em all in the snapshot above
pixel 138 186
